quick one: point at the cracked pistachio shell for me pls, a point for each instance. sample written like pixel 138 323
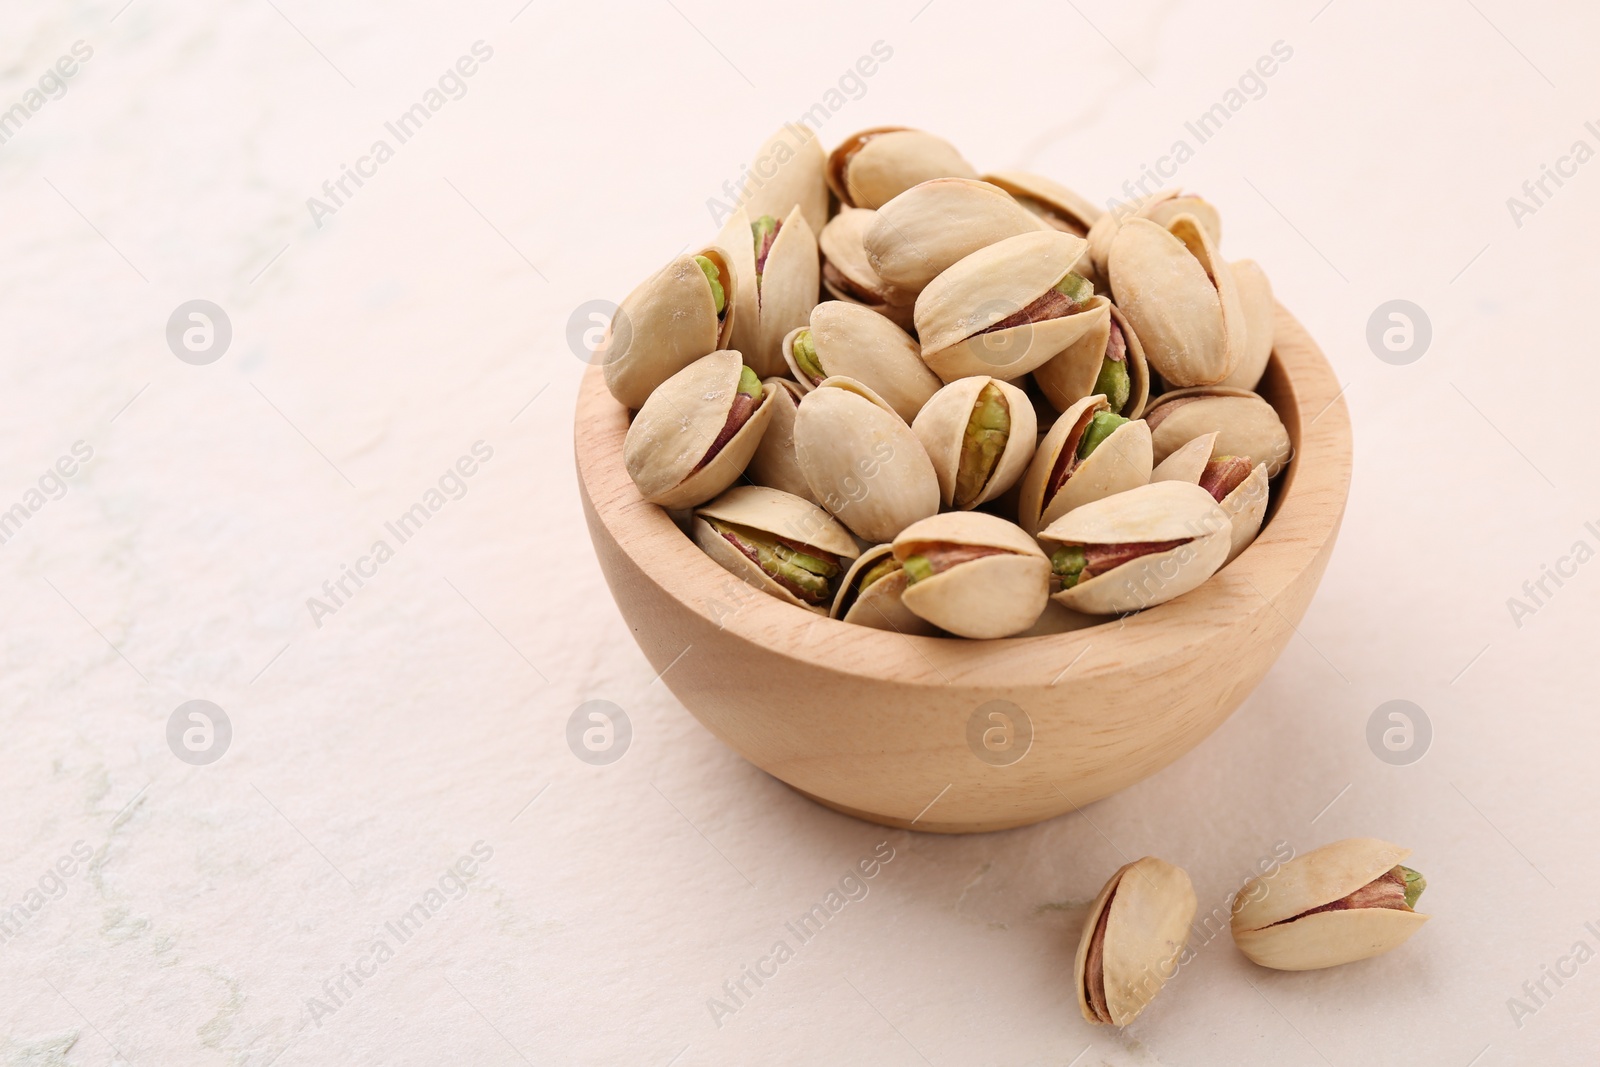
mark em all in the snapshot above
pixel 1181 299
pixel 786 173
pixel 774 512
pixel 1160 511
pixel 862 461
pixel 872 167
pixel 1053 202
pixel 1161 209
pixel 1255 296
pixel 941 426
pixel 1327 938
pixel 1245 424
pixel 857 342
pixel 1148 906
pixel 1246 505
pixel 878 605
pixel 988 286
pixel 930 227
pixel 1121 462
pixel 665 324
pixel 847 274
pixel 679 423
pixel 1072 373
pixel 992 596
pixel 784 294
pixel 775 463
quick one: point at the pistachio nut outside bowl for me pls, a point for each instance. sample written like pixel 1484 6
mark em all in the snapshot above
pixel 891 728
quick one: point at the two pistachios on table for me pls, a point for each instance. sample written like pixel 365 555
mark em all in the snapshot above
pixel 954 399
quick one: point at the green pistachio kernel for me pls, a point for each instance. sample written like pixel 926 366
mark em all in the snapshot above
pixel 749 384
pixel 760 230
pixel 877 572
pixel 1101 427
pixel 805 356
pixel 1415 884
pixel 1113 383
pixel 1068 562
pixel 988 428
pixel 917 568
pixel 805 572
pixel 715 278
pixel 1075 287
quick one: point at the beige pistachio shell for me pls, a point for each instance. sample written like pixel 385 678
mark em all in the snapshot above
pixel 1188 463
pixel 848 275
pixel 1148 906
pixel 787 173
pixel 988 286
pixel 988 597
pixel 782 297
pixel 872 167
pixel 1121 462
pixel 1160 511
pixel 666 324
pixel 676 427
pixel 862 461
pixel 1246 505
pixel 1181 299
pixel 1053 202
pixel 1245 424
pixel 1264 923
pixel 1255 296
pixel 930 227
pixel 773 512
pixel 1071 374
pixel 1161 209
pixel 774 463
pixel 878 605
pixel 857 342
pixel 941 426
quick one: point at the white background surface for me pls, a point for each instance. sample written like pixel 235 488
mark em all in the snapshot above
pixel 369 353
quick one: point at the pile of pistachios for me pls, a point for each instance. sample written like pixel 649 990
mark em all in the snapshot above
pixel 908 397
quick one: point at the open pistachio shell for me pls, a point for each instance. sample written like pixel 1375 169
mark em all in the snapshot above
pixel 945 425
pixel 1157 513
pixel 778 515
pixel 1245 424
pixel 787 173
pixel 862 461
pixel 1074 373
pixel 1161 209
pixel 859 343
pixel 929 227
pixel 1270 924
pixel 956 313
pixel 1246 503
pixel 667 447
pixel 872 167
pixel 847 274
pixel 1121 462
pixel 1255 296
pixel 878 604
pixel 1132 940
pixel 1053 202
pixel 777 299
pixel 665 324
pixel 774 463
pixel 997 585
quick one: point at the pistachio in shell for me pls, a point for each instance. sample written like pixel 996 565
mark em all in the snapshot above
pixel 1108 359
pixel 1260 315
pixel 774 463
pixel 862 461
pixel 1160 208
pixel 1239 485
pixel 1090 453
pixel 980 433
pixel 1343 902
pixel 847 274
pixel 697 431
pixel 1053 202
pixel 847 339
pixel 972 574
pixel 778 258
pixel 776 542
pixel 928 228
pixel 1136 549
pixel 1132 940
pixel 682 312
pixel 869 595
pixel 872 167
pixel 786 173
pixel 1245 424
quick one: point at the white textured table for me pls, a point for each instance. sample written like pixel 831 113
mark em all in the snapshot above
pixel 398 859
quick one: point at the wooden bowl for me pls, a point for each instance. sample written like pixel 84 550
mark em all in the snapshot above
pixel 903 730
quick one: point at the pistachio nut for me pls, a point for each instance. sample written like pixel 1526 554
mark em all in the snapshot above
pixel 973 574
pixel 1006 308
pixel 682 312
pixel 777 543
pixel 1132 940
pixel 1260 314
pixel 862 461
pixel 847 339
pixel 1240 486
pixel 980 433
pixel 1108 359
pixel 847 274
pixel 1343 902
pixel 1180 297
pixel 775 463
pixel 1137 549
pixel 929 227
pixel 1091 452
pixel 697 431
pixel 1161 209
pixel 1053 202
pixel 1246 425
pixel 869 595
pixel 781 256
pixel 872 167
pixel 785 174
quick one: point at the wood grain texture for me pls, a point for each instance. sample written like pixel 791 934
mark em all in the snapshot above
pixel 875 724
